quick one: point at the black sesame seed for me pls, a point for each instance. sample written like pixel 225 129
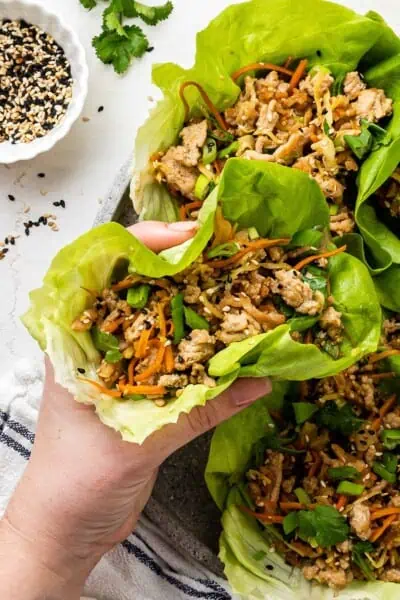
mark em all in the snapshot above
pixel 62 203
pixel 81 371
pixel 100 109
pixel 44 221
pixel 319 53
pixel 5 250
pixel 11 197
pixel 6 240
pixel 41 175
pixel 180 359
pixel 150 49
pixel 27 232
pixel 12 241
pixel 56 203
pixel 269 567
pixel 147 325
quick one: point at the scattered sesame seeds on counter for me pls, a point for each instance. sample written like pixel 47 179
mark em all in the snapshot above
pixel 35 82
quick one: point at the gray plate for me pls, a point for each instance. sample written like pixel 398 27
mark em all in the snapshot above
pixel 180 504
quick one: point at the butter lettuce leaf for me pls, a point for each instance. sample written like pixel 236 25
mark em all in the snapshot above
pixel 254 31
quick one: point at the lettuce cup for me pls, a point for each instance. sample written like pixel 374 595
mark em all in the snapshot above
pixel 321 101
pixel 259 291
pixel 307 480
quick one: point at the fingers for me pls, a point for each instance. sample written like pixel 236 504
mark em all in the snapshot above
pixel 158 235
pixel 201 419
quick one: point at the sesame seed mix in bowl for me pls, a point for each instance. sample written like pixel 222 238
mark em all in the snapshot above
pixel 35 82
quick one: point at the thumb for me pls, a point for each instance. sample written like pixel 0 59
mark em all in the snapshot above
pixel 158 235
pixel 203 418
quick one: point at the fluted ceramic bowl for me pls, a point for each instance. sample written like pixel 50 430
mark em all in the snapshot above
pixel 51 23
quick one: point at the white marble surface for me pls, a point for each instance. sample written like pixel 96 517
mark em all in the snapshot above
pixel 82 167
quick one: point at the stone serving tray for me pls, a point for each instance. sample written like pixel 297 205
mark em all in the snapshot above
pixel 180 504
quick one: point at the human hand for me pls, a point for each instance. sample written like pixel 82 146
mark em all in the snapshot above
pixel 84 488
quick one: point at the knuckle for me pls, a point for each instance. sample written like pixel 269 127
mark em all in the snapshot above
pixel 203 418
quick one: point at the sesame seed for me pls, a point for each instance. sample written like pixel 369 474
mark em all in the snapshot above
pixel 10 196
pixel 100 109
pixel 56 203
pixel 41 175
pixel 27 232
pixel 81 371
pixel 62 203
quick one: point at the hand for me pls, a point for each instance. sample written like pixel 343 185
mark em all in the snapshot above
pixel 84 488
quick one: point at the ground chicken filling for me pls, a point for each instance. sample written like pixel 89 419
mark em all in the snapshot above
pixel 157 336
pixel 389 195
pixel 330 485
pixel 307 121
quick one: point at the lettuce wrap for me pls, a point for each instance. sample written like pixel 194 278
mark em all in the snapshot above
pixel 254 567
pixel 252 196
pixel 336 41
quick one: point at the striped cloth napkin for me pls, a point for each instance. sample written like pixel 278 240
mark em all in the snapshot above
pixel 143 567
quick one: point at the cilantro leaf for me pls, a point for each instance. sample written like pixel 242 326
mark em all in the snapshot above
pixel 371 137
pixel 113 48
pixel 112 18
pixel 89 4
pixel 151 15
pixel 324 525
pixel 358 557
pixel 342 420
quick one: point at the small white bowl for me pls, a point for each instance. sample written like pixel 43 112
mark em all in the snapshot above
pixel 69 42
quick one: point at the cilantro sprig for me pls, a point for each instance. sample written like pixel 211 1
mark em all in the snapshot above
pixel 323 526
pixel 118 44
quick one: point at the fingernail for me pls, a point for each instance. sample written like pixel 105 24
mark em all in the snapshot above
pixel 183 226
pixel 248 391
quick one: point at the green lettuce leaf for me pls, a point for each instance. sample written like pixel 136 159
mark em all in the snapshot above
pixel 244 33
pixel 383 244
pixel 255 194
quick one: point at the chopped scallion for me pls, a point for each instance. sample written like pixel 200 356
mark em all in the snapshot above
pixel 347 488
pixel 138 296
pixel 209 151
pixel 201 187
pixel 229 150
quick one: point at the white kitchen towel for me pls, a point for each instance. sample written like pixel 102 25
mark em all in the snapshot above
pixel 143 567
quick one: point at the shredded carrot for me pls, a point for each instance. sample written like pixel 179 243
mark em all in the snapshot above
pixel 161 319
pixel 154 367
pixel 131 370
pixel 376 423
pixel 342 501
pixel 213 109
pixel 223 229
pixel 250 247
pixel 379 376
pixel 102 388
pixel 377 533
pixel 288 62
pixel 128 282
pixel 218 166
pixel 288 506
pixel 260 66
pixel 390 402
pixel 169 359
pixel 385 512
pixel 311 259
pixel 186 208
pixel 141 347
pixel 308 337
pixel 315 465
pixel 381 355
pixel 266 518
pixel 112 326
pixel 146 390
pixel 298 74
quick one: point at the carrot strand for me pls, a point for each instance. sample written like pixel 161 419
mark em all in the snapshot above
pixel 342 501
pixel 260 66
pixel 101 388
pixel 390 402
pixel 169 359
pixel 154 367
pixel 146 390
pixel 298 74
pixel 385 512
pixel 131 369
pixel 300 265
pixel 161 319
pixel 379 376
pixel 266 518
pixel 377 533
pixel 250 247
pixel 381 355
pixel 218 117
pixel 185 208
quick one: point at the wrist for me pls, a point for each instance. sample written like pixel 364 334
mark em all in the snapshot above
pixel 35 569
